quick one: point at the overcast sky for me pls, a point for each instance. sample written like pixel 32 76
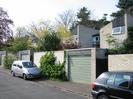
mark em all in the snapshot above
pixel 24 12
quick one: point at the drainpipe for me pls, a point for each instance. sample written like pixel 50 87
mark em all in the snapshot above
pixel 78 35
pixel 126 25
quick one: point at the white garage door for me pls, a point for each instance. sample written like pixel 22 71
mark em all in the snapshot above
pixel 80 69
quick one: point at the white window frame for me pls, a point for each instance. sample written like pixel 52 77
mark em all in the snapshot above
pixel 121 30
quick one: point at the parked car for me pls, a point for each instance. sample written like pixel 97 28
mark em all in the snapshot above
pixel 113 85
pixel 25 69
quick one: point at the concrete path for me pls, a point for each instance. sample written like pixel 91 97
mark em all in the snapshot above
pixel 81 89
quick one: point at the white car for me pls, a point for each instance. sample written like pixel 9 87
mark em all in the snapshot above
pixel 25 69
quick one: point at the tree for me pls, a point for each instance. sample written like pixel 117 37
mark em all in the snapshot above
pixel 5 31
pixel 117 14
pixel 112 42
pixel 125 4
pixel 66 19
pixel 126 47
pixel 128 43
pixel 19 44
pixel 22 32
pixel 37 33
pixel 63 33
pixel 52 42
pixel 85 19
pixel 83 16
pixel 102 22
pixel 39 30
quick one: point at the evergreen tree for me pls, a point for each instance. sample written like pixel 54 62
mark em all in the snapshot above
pixel 125 4
pixel 83 16
pixel 102 22
pixel 117 14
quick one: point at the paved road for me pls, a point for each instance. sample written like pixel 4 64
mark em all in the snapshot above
pixel 17 88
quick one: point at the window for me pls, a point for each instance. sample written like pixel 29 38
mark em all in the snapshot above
pixel 28 64
pixel 96 38
pixel 75 37
pixel 111 79
pixel 118 30
pixel 122 80
pixel 14 64
pixel 102 79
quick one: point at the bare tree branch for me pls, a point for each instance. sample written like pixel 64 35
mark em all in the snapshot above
pixel 66 18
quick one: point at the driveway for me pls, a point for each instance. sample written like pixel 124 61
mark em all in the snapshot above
pixel 17 88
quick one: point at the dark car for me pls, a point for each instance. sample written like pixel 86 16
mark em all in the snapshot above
pixel 113 85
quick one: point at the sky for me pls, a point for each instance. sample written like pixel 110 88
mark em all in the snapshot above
pixel 25 12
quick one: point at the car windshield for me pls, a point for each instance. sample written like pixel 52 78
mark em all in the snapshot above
pixel 28 64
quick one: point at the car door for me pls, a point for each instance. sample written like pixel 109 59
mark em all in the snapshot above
pixel 20 69
pixel 131 86
pixel 110 84
pixel 14 67
pixel 120 88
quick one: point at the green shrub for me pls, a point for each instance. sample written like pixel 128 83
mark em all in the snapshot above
pixel 58 72
pixel 51 70
pixel 8 60
pixel 46 62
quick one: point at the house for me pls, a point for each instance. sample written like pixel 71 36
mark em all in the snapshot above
pixel 117 28
pixel 86 37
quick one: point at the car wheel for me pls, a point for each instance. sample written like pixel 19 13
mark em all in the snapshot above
pixel 24 77
pixel 13 74
pixel 102 97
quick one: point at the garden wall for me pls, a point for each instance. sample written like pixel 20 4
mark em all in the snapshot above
pixel 37 56
pixel 2 55
pixel 122 62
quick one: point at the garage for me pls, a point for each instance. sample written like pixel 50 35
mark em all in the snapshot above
pixel 84 65
pixel 24 57
pixel 80 67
